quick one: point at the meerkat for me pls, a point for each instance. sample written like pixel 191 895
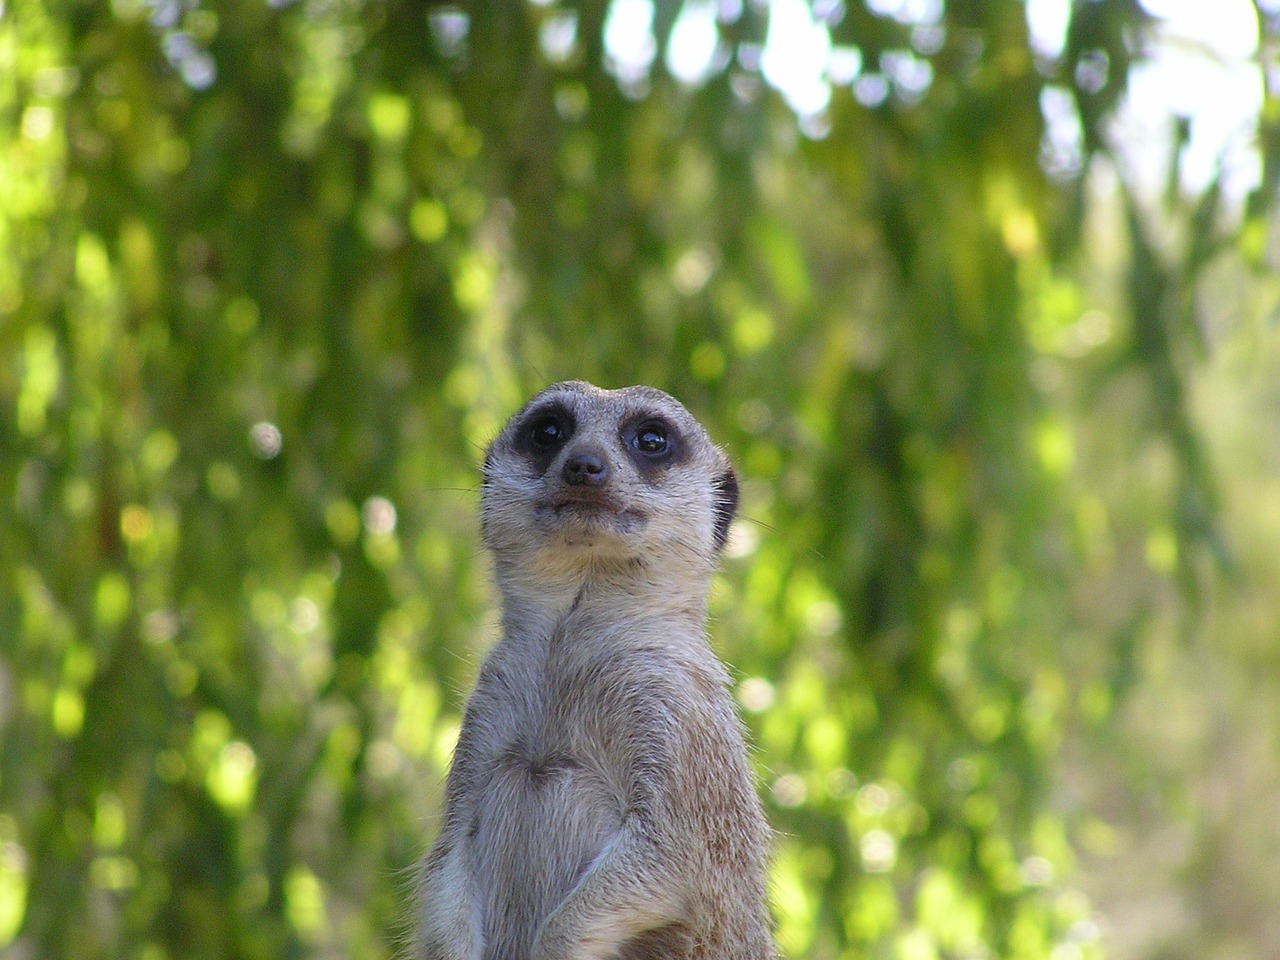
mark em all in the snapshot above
pixel 600 803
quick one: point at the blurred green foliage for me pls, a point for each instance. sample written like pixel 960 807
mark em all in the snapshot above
pixel 274 272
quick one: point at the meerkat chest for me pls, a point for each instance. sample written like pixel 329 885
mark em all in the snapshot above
pixel 588 717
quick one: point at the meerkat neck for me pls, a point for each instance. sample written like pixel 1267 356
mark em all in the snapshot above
pixel 622 592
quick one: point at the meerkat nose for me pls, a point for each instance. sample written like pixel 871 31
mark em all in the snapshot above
pixel 585 469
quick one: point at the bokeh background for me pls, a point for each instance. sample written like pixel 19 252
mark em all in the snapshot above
pixel 981 295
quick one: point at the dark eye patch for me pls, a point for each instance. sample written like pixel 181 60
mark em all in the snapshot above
pixel 543 433
pixel 653 443
pixel 547 431
pixel 651 440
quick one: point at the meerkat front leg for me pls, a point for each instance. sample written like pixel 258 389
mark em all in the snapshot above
pixel 449 924
pixel 450 916
pixel 636 884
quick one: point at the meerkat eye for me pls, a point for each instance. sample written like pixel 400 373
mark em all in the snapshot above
pixel 651 439
pixel 546 432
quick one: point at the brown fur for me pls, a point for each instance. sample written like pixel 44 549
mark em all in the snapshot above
pixel 600 803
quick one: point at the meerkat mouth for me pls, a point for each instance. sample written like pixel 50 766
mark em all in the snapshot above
pixel 591 511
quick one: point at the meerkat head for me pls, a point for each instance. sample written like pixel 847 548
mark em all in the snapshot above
pixel 584 474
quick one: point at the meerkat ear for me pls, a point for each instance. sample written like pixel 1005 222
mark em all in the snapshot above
pixel 726 504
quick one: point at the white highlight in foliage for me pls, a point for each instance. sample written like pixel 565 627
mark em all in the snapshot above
pixel 795 56
pixel 558 36
pixel 379 515
pixel 629 45
pixel 1202 67
pixel 266 440
pixel 1047 22
pixel 694 44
